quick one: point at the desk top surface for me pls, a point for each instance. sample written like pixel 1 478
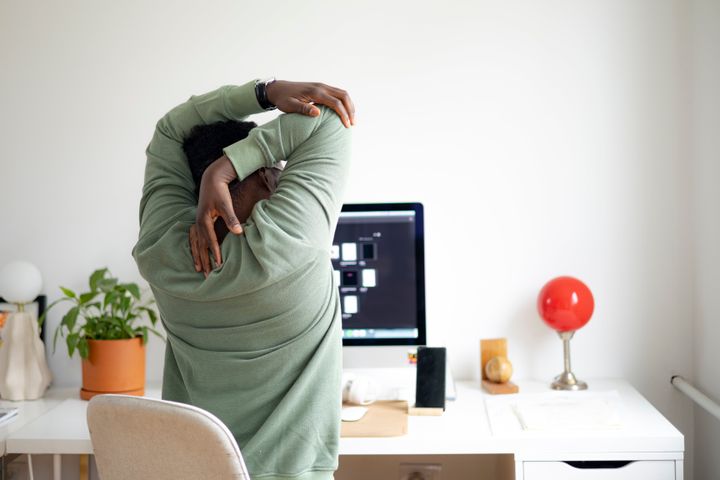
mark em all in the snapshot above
pixel 476 423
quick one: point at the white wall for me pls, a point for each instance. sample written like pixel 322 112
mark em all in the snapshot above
pixel 706 209
pixel 544 138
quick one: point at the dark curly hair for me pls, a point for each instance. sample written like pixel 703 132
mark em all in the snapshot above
pixel 205 144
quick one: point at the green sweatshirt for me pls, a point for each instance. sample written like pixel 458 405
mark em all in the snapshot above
pixel 257 343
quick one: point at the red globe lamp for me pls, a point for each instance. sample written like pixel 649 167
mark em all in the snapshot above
pixel 566 305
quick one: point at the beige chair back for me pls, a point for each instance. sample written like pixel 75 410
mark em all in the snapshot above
pixel 141 438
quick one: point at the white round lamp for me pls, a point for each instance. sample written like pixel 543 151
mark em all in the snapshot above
pixel 20 282
pixel 24 374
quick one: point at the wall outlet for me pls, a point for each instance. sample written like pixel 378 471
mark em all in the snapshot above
pixel 420 471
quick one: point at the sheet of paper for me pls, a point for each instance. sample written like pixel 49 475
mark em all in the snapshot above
pixel 568 411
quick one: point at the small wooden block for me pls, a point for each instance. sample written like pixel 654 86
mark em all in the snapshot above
pixel 491 347
pixel 499 388
pixel 425 411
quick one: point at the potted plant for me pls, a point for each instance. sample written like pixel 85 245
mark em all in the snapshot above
pixel 103 327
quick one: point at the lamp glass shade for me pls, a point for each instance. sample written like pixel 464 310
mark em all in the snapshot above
pixel 20 282
pixel 565 304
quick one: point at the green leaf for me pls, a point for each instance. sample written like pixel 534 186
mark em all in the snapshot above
pixel 70 319
pixel 133 289
pixel 55 338
pixel 86 297
pixel 83 347
pixel 71 341
pixel 107 284
pixel 153 316
pixel 144 335
pixel 96 276
pixel 90 325
pixel 96 305
pixel 129 332
pixel 109 299
pixel 69 293
pixel 125 303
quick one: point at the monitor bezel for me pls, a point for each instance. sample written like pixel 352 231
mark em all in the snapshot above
pixel 419 270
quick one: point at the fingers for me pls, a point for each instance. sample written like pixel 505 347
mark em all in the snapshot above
pixel 298 106
pixel 227 212
pixel 200 246
pixel 336 104
pixel 212 241
pixel 345 109
pixel 299 97
pixel 203 244
pixel 194 250
pixel 204 259
pixel 214 200
pixel 347 102
pixel 232 222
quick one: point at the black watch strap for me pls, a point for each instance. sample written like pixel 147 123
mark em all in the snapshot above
pixel 261 93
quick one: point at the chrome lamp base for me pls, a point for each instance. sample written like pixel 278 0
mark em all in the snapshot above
pixel 567 381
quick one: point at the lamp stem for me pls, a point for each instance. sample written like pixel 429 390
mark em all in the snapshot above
pixel 20 307
pixel 566 351
pixel 566 380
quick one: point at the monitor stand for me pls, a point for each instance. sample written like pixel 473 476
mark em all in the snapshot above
pixel 391 369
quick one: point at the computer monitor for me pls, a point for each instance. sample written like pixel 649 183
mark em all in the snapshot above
pixel 378 256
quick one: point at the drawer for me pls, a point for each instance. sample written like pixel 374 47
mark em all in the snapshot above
pixel 644 469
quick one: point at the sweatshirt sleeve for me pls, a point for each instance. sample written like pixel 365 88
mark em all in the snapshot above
pixel 308 198
pixel 292 228
pixel 169 191
pixel 295 226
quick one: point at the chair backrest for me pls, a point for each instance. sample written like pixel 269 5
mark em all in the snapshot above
pixel 142 438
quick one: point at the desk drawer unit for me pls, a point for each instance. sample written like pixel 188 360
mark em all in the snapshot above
pixel 645 470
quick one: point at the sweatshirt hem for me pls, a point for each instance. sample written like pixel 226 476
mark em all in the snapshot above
pixel 315 474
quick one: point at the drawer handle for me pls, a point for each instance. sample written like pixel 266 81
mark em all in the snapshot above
pixel 598 464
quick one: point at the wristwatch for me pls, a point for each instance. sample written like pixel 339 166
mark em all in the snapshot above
pixel 261 93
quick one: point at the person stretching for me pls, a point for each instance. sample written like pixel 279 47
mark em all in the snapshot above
pixel 256 340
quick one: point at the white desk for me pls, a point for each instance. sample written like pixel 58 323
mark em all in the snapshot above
pixel 476 423
pixel 28 411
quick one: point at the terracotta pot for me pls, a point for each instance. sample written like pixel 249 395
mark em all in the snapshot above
pixel 114 366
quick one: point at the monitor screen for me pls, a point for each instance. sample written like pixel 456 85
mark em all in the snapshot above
pixel 379 266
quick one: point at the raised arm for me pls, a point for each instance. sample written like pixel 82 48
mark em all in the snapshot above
pixel 302 213
pixel 169 190
pixel 284 233
pixel 215 200
pixel 169 204
pixel 308 198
